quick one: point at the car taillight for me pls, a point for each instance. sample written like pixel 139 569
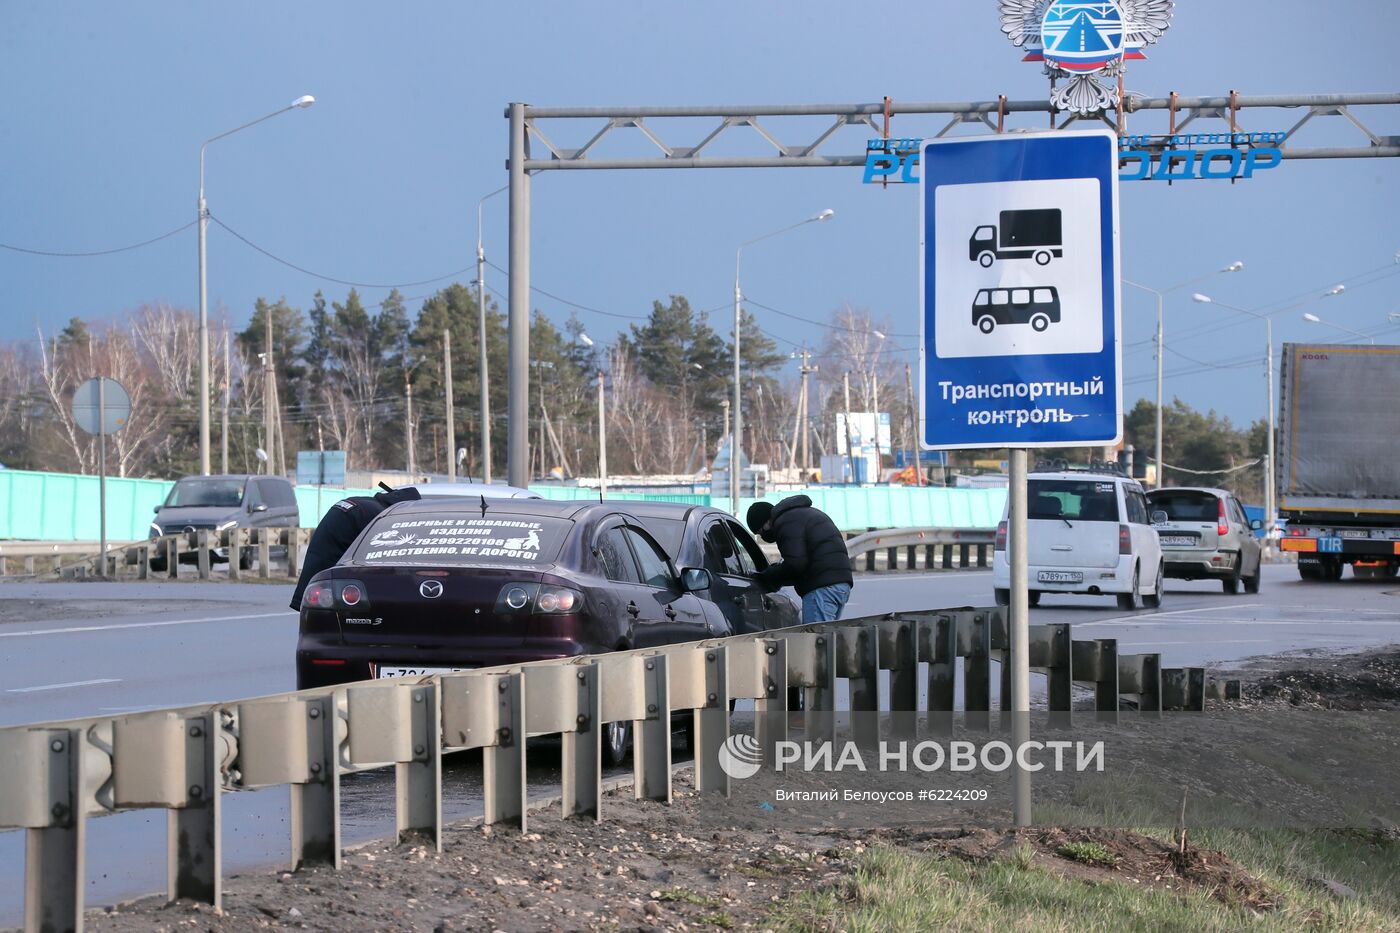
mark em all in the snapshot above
pixel 350 594
pixel 1125 540
pixel 1222 527
pixel 552 599
pixel 538 599
pixel 318 596
pixel 1001 537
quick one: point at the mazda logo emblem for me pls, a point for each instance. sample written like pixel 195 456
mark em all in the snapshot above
pixel 431 589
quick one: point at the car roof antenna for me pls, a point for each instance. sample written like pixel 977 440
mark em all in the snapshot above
pixel 483 506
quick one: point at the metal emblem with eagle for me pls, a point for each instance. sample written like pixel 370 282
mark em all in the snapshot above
pixel 1080 41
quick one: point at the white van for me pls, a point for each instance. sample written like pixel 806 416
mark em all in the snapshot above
pixel 1090 533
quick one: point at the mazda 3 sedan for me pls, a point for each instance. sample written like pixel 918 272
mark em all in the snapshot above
pixel 432 586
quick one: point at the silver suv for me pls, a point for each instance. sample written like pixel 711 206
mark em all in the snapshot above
pixel 1207 536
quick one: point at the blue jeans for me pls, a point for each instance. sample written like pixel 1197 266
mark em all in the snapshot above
pixel 824 604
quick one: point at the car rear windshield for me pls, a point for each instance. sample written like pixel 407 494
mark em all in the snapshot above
pixel 1084 500
pixel 189 493
pixel 459 539
pixel 1186 506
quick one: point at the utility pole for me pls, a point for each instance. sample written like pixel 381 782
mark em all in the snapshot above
pixel 850 449
pixel 223 427
pixel 451 426
pixel 913 426
pixel 269 389
pixel 806 370
pixel 602 442
pixel 408 423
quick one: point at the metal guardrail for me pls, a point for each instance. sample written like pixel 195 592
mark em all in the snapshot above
pixel 134 559
pixel 943 548
pixel 55 776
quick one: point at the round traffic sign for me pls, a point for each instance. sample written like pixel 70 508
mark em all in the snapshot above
pixel 107 394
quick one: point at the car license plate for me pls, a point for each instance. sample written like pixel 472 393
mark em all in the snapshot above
pixel 1329 545
pixel 1179 540
pixel 394 670
pixel 1060 576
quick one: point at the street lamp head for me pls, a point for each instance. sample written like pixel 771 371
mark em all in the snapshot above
pixel 878 334
pixel 584 339
pixel 304 101
pixel 1334 290
pixel 260 454
pixel 824 215
pixel 1201 299
pixel 1233 267
pixel 1313 318
pixel 1393 316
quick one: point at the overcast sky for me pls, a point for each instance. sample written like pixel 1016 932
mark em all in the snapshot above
pixel 105 106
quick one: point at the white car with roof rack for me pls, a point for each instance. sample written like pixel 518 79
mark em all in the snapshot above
pixel 1091 533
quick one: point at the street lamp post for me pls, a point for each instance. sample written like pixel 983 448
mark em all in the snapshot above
pixel 1161 295
pixel 481 332
pixel 301 103
pixel 1269 479
pixel 737 404
pixel 1314 319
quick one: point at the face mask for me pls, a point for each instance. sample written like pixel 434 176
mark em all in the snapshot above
pixel 766 533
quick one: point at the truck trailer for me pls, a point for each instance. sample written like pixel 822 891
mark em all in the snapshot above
pixel 1338 468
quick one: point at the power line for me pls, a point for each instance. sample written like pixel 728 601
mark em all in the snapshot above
pixel 98 252
pixel 567 302
pixel 330 278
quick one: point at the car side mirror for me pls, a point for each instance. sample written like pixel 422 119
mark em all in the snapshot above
pixel 695 579
pixel 1256 524
pixel 260 507
pixel 155 510
pixel 1159 517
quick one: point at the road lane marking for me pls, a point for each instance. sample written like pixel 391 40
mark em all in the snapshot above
pixel 108 628
pixel 73 683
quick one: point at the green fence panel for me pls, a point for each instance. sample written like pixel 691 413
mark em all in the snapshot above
pixel 859 508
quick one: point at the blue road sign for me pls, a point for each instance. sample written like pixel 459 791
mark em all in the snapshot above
pixel 1020 342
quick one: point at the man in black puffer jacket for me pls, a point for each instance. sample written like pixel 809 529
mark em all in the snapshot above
pixel 340 527
pixel 814 555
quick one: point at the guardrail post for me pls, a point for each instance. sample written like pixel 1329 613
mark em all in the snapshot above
pixel 651 734
pixel 709 672
pixel 811 667
pixel 398 724
pixel 975 648
pixel 899 656
pixel 143 561
pixel 201 543
pixel 770 710
pixel 857 659
pixel 168 760
pixel 1096 662
pixel 1140 677
pixel 892 558
pixel 294 550
pixel 264 554
pixel 1052 655
pixel 41 778
pixel 235 538
pixel 292 741
pixel 172 557
pixel 938 647
pixel 582 751
pixel 947 555
pixel 487 711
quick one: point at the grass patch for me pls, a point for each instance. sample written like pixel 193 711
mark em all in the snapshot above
pixel 722 921
pixel 681 895
pixel 1090 853
pixel 894 889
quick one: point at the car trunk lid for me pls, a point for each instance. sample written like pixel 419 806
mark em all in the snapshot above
pixel 430 607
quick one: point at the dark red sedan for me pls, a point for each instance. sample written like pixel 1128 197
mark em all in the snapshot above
pixel 449 584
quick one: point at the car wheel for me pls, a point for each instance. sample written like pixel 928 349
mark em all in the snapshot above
pixel 245 559
pixel 1251 584
pixel 1309 572
pixel 1334 571
pixel 1231 584
pixel 986 325
pixel 617 740
pixel 1033 598
pixel 1003 597
pixel 1131 601
pixel 985 260
pixel 1155 600
pixel 1040 322
pixel 1042 257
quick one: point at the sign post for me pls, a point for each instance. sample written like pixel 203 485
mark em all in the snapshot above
pixel 1020 329
pixel 101 406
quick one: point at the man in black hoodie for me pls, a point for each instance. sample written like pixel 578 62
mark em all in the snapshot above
pixel 814 555
pixel 340 527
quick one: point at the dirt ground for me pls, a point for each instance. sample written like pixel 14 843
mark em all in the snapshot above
pixel 648 867
pixel 709 863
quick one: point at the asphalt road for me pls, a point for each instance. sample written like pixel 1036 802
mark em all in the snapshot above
pixel 89 649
